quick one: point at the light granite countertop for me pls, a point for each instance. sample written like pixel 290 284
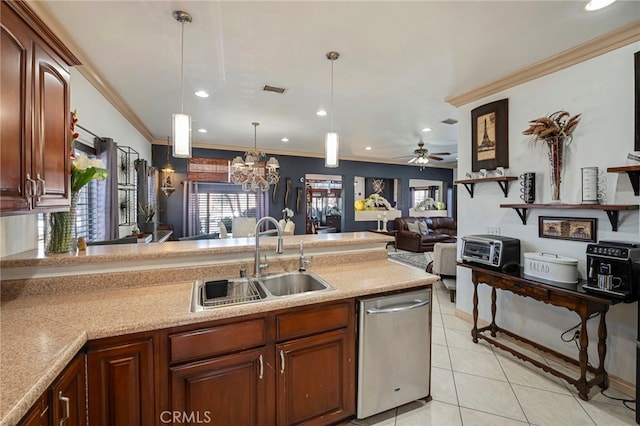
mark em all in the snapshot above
pixel 41 334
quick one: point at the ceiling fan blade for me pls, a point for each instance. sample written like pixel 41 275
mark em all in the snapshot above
pixel 440 153
pixel 433 157
pixel 412 160
pixel 402 156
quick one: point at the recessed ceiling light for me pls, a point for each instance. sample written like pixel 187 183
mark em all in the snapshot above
pixel 367 148
pixel 426 129
pixel 202 130
pixel 321 113
pixel 202 94
pixel 284 139
pixel 597 4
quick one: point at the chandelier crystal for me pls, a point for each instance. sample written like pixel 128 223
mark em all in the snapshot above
pixel 250 174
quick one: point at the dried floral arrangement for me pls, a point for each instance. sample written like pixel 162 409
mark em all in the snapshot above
pixel 558 124
pixel 556 130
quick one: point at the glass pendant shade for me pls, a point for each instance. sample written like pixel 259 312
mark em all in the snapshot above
pixel 181 136
pixel 331 145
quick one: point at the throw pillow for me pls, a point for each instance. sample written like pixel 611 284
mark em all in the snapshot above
pixel 424 229
pixel 413 227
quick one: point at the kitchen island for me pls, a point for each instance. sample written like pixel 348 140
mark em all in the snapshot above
pixel 49 316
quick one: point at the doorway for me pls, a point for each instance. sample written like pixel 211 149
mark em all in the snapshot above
pixel 323 203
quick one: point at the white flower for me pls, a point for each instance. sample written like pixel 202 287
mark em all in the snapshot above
pixel 375 200
pixel 81 163
pixel 97 163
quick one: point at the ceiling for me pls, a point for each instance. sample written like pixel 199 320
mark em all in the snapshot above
pixel 398 62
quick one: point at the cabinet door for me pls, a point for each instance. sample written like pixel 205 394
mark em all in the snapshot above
pixel 38 415
pixel 121 384
pixel 315 379
pixel 68 395
pixel 229 390
pixel 51 150
pixel 15 104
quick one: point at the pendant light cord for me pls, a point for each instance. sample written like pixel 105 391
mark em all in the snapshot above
pixel 182 70
pixel 332 112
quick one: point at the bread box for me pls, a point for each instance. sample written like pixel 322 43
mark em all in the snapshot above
pixel 550 268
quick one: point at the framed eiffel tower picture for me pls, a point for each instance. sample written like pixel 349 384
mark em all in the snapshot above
pixel 490 136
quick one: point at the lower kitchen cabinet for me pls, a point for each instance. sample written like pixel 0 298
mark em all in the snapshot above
pixel 121 382
pixel 226 390
pixel 65 402
pixel 315 379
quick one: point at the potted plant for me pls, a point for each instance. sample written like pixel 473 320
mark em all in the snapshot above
pixel 146 213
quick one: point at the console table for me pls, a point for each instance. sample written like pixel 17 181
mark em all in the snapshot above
pixel 573 298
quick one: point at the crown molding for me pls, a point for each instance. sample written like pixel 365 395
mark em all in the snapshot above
pixel 623 36
pixel 88 69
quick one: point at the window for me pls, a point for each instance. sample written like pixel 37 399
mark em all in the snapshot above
pixel 420 194
pixel 210 203
pixel 87 210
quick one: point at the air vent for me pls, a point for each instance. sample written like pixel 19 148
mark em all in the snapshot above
pixel 449 121
pixel 273 89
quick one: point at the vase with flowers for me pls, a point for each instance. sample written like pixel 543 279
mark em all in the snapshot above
pixel 83 170
pixel 556 131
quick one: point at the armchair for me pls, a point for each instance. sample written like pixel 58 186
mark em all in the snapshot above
pixel 444 264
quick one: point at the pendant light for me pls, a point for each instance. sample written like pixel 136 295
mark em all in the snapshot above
pixel 252 175
pixel 331 143
pixel 167 176
pixel 182 121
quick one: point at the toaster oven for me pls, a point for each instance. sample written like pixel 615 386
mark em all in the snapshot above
pixel 496 251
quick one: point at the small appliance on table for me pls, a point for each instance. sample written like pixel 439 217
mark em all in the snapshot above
pixel 613 269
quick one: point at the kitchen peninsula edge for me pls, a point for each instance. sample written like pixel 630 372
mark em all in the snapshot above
pixel 43 330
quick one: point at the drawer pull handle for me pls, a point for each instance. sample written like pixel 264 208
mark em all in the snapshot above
pixel 66 408
pixel 260 368
pixel 281 362
pixel 416 304
pixel 42 187
pixel 31 192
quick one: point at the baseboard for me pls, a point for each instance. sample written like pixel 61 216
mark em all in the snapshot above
pixel 615 383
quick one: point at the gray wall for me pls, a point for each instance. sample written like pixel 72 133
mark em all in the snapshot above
pixel 296 168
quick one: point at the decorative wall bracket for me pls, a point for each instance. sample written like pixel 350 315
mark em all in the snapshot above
pixel 634 175
pixel 503 182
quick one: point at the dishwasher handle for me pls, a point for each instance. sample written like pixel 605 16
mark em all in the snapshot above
pixel 416 304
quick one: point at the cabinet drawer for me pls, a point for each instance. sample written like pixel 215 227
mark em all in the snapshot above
pixel 520 288
pixel 310 321
pixel 217 340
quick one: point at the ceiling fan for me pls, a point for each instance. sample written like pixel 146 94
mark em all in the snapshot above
pixel 422 156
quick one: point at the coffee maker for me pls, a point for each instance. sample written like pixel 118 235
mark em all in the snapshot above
pixel 613 269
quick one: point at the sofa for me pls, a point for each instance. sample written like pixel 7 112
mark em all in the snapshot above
pixel 420 234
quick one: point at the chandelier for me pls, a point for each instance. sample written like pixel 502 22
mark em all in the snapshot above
pixel 249 172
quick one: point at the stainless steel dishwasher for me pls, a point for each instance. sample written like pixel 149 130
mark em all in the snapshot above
pixel 394 358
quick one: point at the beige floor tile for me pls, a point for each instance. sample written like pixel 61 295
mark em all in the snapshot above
pixel 550 408
pixel 612 393
pixel 437 319
pixel 437 335
pixel 447 307
pixel 442 387
pixel 434 413
pixel 609 414
pixel 527 374
pixel 488 395
pixel 477 363
pixel 440 357
pixel 479 418
pixel 453 322
pixel 462 339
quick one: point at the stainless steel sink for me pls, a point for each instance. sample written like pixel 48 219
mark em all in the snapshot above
pixel 236 291
pixel 290 283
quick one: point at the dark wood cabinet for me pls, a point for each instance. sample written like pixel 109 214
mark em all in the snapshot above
pixel 38 415
pixel 227 390
pixel 35 102
pixel 315 379
pixel 121 382
pixel 68 395
pixel 65 402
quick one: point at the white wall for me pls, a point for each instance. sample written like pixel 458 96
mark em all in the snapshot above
pixel 96 114
pixel 602 90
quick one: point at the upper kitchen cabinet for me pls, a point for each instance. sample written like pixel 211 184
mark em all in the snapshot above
pixel 35 104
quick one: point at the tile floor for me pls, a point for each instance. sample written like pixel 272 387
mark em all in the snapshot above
pixel 476 384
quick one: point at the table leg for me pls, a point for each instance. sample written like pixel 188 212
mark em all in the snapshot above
pixel 494 327
pixel 602 348
pixel 583 358
pixel 474 331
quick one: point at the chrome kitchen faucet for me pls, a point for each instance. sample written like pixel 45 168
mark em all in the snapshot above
pixel 279 245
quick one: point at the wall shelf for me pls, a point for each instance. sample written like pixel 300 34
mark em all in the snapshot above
pixel 634 175
pixel 612 210
pixel 503 181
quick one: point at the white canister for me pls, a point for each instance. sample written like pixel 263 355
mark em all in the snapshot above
pixel 550 268
pixel 592 185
